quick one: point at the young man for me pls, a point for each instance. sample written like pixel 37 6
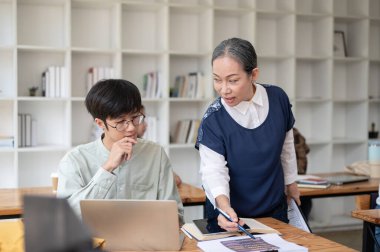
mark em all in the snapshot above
pixel 118 165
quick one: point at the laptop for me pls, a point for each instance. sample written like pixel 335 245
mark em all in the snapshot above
pixel 341 179
pixel 134 224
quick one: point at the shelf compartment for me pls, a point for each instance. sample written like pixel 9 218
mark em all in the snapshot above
pixel 159 110
pixel 190 23
pixel 234 4
pixel 314 37
pixel 350 8
pixel 7 112
pixel 275 35
pixel 7 74
pixel 81 63
pixel 7 36
pixel 374 81
pixel 136 66
pixel 51 117
pixel 195 111
pixel 42 24
pixel 275 5
pixel 310 7
pixel 189 170
pixel 374 115
pixel 8 170
pixel 311 120
pixel 347 75
pixel 272 71
pixel 319 158
pixel 35 168
pixel 80 118
pixel 183 65
pixel 356 35
pixel 346 154
pixel 374 39
pixel 93 25
pixel 374 8
pixel 31 65
pixel 347 122
pixel 313 79
pixel 229 24
pixel 148 18
pixel 191 3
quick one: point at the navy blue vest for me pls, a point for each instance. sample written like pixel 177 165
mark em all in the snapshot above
pixel 252 155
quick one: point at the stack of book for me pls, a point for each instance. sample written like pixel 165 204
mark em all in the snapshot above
pixel 312 182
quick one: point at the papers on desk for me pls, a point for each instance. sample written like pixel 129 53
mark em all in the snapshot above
pixel 267 242
pixel 296 217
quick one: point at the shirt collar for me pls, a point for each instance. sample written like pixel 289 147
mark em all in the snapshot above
pixel 257 99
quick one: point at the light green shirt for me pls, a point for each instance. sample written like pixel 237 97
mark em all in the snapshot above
pixel 147 175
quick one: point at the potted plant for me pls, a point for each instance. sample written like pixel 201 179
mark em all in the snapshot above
pixel 33 91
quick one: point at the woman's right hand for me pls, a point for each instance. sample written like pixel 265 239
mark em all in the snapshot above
pixel 223 203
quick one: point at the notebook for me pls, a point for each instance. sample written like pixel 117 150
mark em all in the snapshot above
pixel 340 179
pixel 134 224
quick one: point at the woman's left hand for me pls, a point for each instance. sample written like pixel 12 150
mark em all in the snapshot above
pixel 292 192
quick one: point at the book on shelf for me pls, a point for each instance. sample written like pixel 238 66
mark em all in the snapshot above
pixel 188 86
pixel 95 74
pixel 6 141
pixel 186 131
pixel 53 82
pixel 197 229
pixel 27 130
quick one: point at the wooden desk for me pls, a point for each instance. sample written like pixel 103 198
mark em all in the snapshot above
pixel 371 219
pixel 11 199
pixel 367 187
pixel 290 233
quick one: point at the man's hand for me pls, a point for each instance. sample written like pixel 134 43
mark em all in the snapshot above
pixel 120 152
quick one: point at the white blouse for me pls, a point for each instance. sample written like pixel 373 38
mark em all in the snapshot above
pixel 249 114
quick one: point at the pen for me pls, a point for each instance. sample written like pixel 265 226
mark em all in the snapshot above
pixel 239 226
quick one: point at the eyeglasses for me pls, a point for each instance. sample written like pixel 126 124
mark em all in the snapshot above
pixel 123 125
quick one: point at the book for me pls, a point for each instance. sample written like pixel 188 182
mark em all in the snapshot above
pixel 313 181
pixel 254 227
pixel 310 181
pixel 320 186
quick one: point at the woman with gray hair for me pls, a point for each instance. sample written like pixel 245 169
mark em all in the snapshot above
pixel 245 141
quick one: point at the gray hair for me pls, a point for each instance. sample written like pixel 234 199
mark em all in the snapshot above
pixel 239 49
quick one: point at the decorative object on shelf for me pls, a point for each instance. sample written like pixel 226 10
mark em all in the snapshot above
pixel 33 91
pixel 373 134
pixel 340 48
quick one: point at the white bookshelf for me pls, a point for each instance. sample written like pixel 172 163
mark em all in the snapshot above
pixel 335 99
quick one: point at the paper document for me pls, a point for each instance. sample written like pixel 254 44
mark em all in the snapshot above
pixel 266 242
pixel 296 217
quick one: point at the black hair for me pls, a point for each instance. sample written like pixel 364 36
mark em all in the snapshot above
pixel 113 98
pixel 239 49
